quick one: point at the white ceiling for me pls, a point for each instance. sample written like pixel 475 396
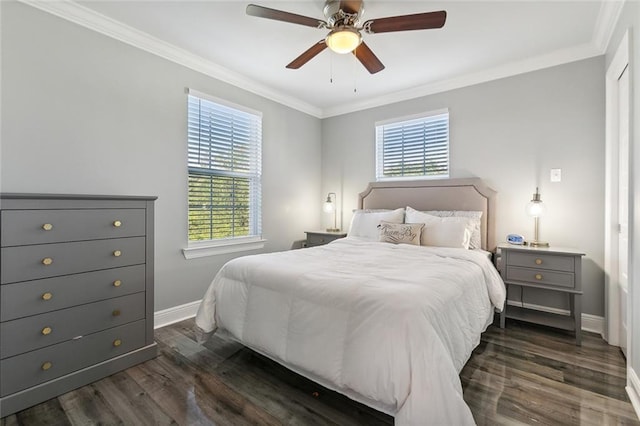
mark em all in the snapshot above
pixel 481 40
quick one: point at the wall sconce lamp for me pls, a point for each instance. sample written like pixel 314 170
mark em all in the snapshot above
pixel 329 207
pixel 536 208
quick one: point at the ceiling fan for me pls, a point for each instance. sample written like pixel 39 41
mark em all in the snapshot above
pixel 343 19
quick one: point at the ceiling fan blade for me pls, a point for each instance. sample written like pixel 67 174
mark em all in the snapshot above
pixel 307 55
pixel 419 21
pixel 368 58
pixel 280 15
pixel 351 6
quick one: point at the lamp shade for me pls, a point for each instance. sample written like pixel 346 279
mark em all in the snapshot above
pixel 343 39
pixel 536 207
pixel 328 206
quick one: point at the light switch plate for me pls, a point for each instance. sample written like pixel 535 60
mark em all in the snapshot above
pixel 556 175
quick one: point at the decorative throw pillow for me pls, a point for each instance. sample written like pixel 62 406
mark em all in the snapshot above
pixel 400 233
pixel 364 223
pixel 442 231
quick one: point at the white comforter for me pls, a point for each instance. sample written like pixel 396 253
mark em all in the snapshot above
pixel 388 325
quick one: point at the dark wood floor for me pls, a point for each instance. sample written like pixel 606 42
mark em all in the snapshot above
pixel 522 375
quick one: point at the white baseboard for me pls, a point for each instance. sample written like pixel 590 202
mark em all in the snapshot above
pixel 633 389
pixel 175 314
pixel 591 323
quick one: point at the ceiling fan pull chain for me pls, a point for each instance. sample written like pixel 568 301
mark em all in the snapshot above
pixel 330 68
pixel 355 73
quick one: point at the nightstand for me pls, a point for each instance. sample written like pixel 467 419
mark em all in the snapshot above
pixel 319 238
pixel 550 268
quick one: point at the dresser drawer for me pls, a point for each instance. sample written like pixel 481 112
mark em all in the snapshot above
pixel 26 334
pixel 29 262
pixel 50 294
pixel 540 276
pixel 29 369
pixel 25 227
pixel 542 261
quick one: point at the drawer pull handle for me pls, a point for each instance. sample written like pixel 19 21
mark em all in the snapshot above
pixel 46 331
pixel 47 365
pixel 538 261
pixel 47 227
pixel 47 296
pixel 538 276
pixel 116 312
pixel 117 343
pixel 47 261
pixel 117 223
pixel 117 253
pixel 117 283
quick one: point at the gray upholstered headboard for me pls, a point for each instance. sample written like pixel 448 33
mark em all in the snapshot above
pixel 441 194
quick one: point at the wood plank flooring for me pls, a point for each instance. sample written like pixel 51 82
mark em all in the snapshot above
pixel 521 375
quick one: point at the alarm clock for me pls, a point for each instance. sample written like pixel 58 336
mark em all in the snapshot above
pixel 515 239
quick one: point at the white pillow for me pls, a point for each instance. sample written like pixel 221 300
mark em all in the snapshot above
pixel 364 223
pixel 441 231
pixel 473 215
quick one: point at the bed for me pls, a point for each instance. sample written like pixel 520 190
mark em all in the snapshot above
pixel 388 325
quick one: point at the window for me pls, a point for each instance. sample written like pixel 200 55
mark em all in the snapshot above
pixel 224 161
pixel 413 147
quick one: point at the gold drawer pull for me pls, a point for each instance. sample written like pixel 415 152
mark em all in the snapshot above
pixel 117 253
pixel 117 342
pixel 116 312
pixel 538 261
pixel 46 330
pixel 47 296
pixel 117 283
pixel 538 276
pixel 47 261
pixel 47 227
pixel 47 365
pixel 117 223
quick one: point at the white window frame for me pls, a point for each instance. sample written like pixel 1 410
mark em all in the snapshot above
pixel 212 247
pixel 379 130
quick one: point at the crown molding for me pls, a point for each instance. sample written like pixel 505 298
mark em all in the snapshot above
pixel 548 60
pixel 81 15
pixel 70 10
pixel 608 16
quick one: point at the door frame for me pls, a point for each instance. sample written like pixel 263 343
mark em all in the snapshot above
pixel 612 290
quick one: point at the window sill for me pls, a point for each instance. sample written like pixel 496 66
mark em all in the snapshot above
pixel 214 248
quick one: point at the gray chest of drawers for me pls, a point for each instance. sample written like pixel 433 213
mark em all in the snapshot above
pixel 76 292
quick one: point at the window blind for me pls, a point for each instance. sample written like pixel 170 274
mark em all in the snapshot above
pixel 413 148
pixel 224 162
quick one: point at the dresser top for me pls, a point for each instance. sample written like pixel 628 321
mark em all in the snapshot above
pixel 29 196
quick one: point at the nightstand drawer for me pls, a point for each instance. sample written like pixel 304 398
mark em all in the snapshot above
pixel 321 238
pixel 37 331
pixel 543 261
pixel 560 279
pixel 24 227
pixel 29 369
pixel 50 260
pixel 318 240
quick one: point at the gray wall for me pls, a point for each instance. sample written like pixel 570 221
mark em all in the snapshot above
pixel 510 132
pixel 84 113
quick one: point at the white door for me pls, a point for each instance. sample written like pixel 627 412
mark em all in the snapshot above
pixel 623 202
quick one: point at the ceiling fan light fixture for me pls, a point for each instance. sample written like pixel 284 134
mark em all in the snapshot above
pixel 343 39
